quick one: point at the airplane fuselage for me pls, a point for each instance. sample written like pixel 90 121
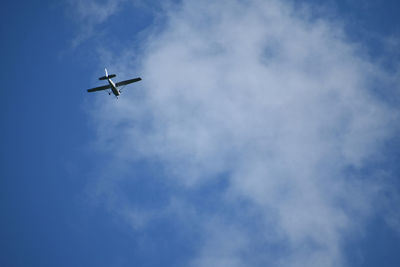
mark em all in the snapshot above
pixel 113 88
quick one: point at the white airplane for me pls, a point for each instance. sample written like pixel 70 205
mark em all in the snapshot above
pixel 111 85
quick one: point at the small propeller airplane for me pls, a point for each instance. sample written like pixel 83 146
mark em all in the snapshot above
pixel 111 85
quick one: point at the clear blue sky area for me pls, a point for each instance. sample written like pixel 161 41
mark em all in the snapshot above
pixel 48 162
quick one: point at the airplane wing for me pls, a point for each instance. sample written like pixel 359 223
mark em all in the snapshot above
pixel 128 82
pixel 99 88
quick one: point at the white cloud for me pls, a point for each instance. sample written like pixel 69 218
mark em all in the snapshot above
pixel 279 103
pixel 90 13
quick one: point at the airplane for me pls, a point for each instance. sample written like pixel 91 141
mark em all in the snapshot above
pixel 111 85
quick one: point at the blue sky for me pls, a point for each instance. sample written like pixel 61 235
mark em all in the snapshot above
pixel 264 133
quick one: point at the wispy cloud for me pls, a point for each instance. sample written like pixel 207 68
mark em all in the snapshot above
pixel 88 14
pixel 279 106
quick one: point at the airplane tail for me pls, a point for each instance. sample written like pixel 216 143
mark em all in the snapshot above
pixel 107 76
